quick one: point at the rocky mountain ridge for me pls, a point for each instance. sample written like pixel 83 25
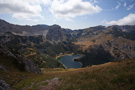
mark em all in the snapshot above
pixel 52 33
pixel 113 42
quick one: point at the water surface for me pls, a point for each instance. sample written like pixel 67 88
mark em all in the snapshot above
pixel 68 61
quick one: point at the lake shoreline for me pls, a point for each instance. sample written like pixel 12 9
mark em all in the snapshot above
pixel 58 56
pixel 69 54
pixel 75 59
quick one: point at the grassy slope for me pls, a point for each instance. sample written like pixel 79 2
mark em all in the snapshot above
pixel 110 76
pixel 85 42
pixel 12 75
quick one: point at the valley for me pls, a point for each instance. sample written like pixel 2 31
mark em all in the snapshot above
pixel 28 57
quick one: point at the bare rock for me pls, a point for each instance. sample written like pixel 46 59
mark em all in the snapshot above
pixel 4 85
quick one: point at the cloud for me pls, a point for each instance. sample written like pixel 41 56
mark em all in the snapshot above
pixel 32 9
pixel 24 9
pixel 125 4
pixel 128 20
pixel 119 4
pixel 130 7
pixel 72 8
pixel 46 2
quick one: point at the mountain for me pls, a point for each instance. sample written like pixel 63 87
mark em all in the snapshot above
pixel 52 33
pixel 104 44
pixel 39 43
pixel 26 51
pixel 55 34
pixel 22 30
pixel 99 44
pixel 100 34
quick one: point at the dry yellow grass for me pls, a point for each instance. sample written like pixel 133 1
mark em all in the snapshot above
pixel 84 43
pixel 109 76
pixel 31 54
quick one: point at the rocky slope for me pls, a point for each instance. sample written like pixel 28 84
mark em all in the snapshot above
pixel 55 34
pixel 52 33
pixel 26 49
pixel 39 43
pixel 99 44
pixel 107 44
pixel 16 61
pixel 118 75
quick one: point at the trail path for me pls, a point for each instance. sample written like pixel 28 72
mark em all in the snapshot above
pixel 51 84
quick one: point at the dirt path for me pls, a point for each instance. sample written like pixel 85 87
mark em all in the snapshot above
pixel 51 84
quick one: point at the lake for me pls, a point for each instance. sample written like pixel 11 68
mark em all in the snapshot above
pixel 68 61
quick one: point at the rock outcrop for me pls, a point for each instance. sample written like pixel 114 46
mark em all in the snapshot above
pixel 28 65
pixel 4 85
pixel 19 62
pixel 52 33
pixel 55 34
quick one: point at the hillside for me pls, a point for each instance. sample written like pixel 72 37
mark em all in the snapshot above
pixel 39 43
pixel 42 43
pixel 104 44
pixel 114 75
pixel 109 76
pixel 25 51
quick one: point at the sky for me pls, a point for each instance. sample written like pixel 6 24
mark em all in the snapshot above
pixel 72 14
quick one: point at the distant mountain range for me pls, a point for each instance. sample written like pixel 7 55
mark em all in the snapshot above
pixel 41 43
pixel 26 50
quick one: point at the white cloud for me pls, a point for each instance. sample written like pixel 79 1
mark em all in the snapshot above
pixel 72 8
pixel 125 4
pixel 32 9
pixel 119 4
pixel 130 7
pixel 21 9
pixel 46 1
pixel 128 20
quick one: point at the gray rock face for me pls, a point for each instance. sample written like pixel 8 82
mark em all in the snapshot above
pixel 20 62
pixel 5 52
pixel 116 49
pixel 22 30
pixel 120 48
pixel 52 33
pixel 4 85
pixel 55 34
pixel 2 68
pixel 28 65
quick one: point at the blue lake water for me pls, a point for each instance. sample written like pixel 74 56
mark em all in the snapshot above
pixel 68 61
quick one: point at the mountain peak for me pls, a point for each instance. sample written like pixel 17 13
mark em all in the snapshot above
pixel 55 26
pixel 3 22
